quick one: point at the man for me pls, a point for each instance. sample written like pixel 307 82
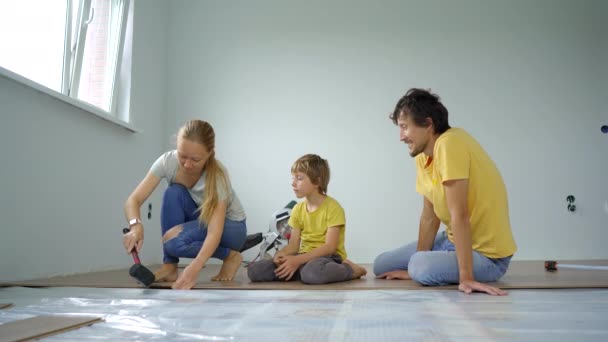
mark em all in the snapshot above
pixel 463 189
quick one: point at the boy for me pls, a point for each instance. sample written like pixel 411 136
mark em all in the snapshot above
pixel 315 253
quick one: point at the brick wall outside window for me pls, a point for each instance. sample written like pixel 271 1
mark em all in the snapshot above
pixel 93 77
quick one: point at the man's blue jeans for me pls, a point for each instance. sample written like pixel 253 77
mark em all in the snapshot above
pixel 440 265
pixel 179 209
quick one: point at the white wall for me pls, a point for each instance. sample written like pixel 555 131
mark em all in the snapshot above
pixel 66 173
pixel 279 79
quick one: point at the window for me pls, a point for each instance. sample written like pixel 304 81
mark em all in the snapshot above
pixel 29 34
pixel 71 46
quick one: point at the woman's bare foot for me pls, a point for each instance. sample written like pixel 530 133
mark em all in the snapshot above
pixel 358 270
pixel 229 267
pixel 167 272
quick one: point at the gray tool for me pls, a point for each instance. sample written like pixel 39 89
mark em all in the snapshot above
pixel 552 266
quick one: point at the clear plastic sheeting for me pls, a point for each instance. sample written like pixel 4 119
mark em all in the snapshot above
pixel 372 315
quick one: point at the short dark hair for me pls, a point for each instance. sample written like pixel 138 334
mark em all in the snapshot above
pixel 421 104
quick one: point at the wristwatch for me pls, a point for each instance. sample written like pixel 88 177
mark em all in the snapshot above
pixel 133 222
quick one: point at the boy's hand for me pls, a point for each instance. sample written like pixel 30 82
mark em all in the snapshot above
pixel 279 258
pixel 288 265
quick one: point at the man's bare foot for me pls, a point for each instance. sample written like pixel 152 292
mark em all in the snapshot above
pixel 358 270
pixel 167 272
pixel 397 274
pixel 229 267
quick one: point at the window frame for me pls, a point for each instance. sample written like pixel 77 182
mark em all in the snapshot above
pixel 72 64
pixel 5 73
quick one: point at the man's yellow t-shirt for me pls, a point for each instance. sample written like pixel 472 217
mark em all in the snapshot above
pixel 313 225
pixel 457 155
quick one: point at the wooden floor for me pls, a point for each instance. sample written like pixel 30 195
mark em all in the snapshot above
pixel 521 275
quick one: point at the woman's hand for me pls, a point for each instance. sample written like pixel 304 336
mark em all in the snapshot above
pixel 188 278
pixel 134 238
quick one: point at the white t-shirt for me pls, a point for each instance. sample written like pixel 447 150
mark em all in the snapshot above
pixel 166 167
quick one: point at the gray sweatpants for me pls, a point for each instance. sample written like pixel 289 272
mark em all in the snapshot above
pixel 317 271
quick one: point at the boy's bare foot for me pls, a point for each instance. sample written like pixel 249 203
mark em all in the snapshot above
pixel 229 267
pixel 358 270
pixel 167 272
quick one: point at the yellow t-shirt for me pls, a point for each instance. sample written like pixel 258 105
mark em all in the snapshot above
pixel 313 226
pixel 457 155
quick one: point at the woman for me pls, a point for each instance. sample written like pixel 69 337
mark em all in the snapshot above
pixel 201 216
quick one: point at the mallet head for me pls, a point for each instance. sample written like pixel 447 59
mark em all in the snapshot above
pixel 142 274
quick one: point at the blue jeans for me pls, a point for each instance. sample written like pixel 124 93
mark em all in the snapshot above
pixel 179 209
pixel 440 265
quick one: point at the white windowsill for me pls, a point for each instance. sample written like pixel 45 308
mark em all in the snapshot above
pixel 74 102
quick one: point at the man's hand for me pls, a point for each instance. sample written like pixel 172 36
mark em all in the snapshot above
pixel 188 278
pixel 289 264
pixel 468 286
pixel 398 274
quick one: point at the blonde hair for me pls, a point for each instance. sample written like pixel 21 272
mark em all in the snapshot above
pixel 201 132
pixel 316 168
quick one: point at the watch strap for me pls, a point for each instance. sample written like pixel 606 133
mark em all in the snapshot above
pixel 133 222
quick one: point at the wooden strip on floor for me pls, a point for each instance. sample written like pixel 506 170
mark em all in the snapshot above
pixel 521 275
pixel 43 326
